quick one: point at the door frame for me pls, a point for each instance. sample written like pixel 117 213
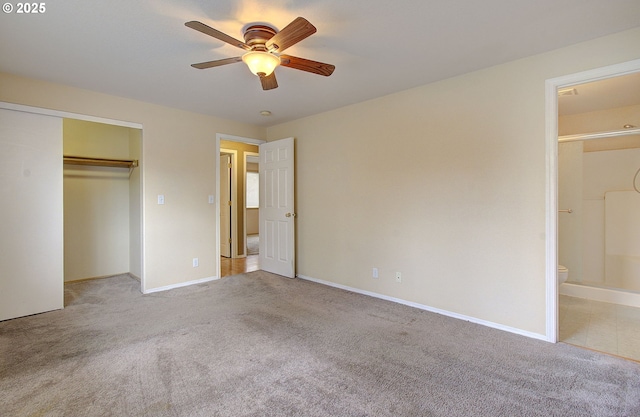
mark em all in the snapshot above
pixel 551 144
pixel 231 138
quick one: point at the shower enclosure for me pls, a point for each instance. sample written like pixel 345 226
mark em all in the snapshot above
pixel 599 240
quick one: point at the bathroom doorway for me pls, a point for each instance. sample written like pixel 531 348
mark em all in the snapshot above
pixel 597 157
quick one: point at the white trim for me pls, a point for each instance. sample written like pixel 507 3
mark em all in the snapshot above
pixel 427 308
pixel 605 295
pixel 551 143
pixel 551 219
pixel 232 138
pixel 67 115
pixel 180 285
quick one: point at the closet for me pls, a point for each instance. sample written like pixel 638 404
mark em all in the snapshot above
pixel 102 194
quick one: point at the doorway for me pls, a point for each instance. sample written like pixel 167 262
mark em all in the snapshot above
pixel 243 153
pixel 276 207
pixel 554 87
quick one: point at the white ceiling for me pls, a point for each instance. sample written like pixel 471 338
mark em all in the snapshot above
pixel 142 50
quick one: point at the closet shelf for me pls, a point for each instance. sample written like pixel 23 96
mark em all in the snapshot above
pixel 116 163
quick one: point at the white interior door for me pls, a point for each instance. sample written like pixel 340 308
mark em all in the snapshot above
pixel 225 205
pixel 31 224
pixel 277 214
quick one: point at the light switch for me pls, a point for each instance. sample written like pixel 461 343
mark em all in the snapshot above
pixel 211 199
pixel 160 198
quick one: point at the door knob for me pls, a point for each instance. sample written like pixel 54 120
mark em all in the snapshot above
pixel 290 215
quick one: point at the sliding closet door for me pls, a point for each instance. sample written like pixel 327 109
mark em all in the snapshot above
pixel 31 237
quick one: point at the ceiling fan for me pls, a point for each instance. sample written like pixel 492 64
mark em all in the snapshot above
pixel 264 46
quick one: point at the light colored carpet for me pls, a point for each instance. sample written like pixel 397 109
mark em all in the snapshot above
pixel 253 244
pixel 261 345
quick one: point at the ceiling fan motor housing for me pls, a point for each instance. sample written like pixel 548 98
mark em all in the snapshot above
pixel 257 35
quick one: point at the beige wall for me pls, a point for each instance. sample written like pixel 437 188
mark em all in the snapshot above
pixel 253 221
pixel 444 183
pixel 178 149
pixel 97 201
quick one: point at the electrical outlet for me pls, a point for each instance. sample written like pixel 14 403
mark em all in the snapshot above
pixel 398 277
pixel 195 262
pixel 160 198
pixel 375 273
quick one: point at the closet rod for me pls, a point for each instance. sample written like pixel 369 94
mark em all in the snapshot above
pixel 117 163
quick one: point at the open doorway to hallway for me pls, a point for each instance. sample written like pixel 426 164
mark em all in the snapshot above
pixel 235 266
pixel 243 253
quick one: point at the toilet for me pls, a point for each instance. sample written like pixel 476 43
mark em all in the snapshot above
pixel 563 274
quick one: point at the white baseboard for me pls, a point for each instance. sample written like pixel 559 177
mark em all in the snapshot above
pixel 182 284
pixel 430 309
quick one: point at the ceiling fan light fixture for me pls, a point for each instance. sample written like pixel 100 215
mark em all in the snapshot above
pixel 261 62
pixel 260 45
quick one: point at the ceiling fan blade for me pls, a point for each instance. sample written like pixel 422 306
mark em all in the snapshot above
pixel 307 65
pixel 217 63
pixel 269 82
pixel 291 34
pixel 207 30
